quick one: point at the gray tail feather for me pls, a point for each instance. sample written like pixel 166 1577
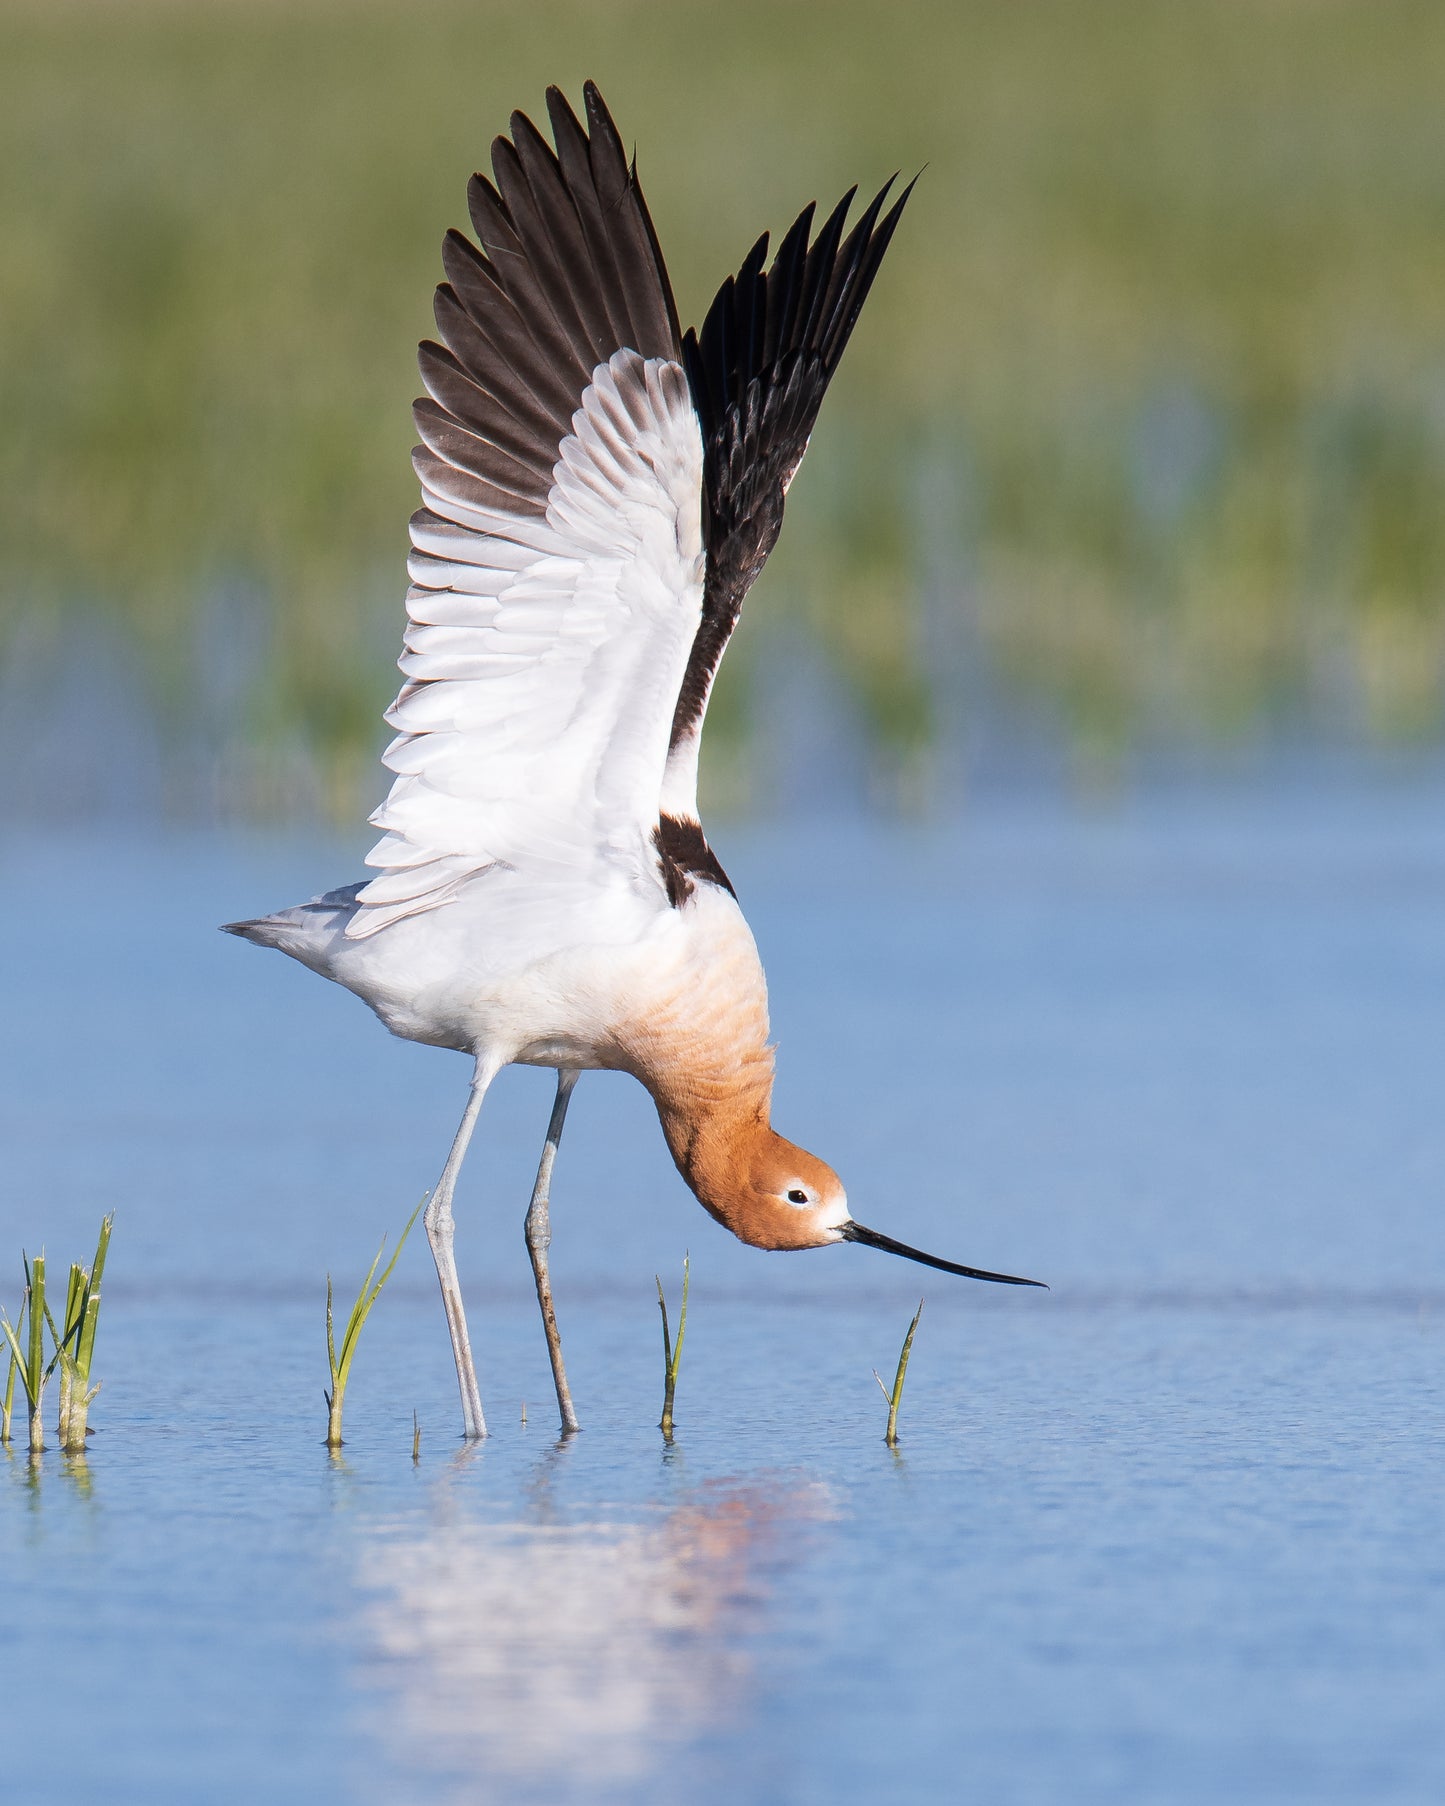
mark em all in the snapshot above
pixel 298 930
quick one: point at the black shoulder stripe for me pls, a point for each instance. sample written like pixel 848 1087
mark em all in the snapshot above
pixel 758 371
pixel 569 272
pixel 684 855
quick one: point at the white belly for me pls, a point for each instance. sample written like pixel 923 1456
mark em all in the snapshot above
pixel 551 975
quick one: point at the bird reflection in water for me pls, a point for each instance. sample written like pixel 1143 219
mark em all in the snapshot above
pixel 546 1654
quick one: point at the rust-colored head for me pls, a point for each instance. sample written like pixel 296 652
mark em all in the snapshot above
pixel 774 1194
pixel 770 1193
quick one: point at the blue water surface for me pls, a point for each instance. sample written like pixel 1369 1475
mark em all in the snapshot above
pixel 1170 1532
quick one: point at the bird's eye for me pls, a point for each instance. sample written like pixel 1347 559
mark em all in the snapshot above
pixel 797 1197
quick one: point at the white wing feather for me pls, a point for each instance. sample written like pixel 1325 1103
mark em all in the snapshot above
pixel 545 655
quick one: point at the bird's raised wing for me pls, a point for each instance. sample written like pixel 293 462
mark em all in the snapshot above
pixel 758 372
pixel 599 495
pixel 557 561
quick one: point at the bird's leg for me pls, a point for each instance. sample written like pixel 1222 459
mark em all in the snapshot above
pixel 539 1239
pixel 439 1232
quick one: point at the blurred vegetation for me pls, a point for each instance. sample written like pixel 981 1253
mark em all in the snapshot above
pixel 1146 415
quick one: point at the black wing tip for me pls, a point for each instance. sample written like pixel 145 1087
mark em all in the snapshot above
pixel 887 225
pixel 758 368
pixel 599 117
pixel 820 253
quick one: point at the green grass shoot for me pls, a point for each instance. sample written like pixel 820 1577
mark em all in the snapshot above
pixel 360 1311
pixel 12 1368
pixel 895 1397
pixel 75 1345
pixel 672 1351
pixel 29 1361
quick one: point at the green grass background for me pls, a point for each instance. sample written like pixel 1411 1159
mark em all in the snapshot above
pixel 1149 401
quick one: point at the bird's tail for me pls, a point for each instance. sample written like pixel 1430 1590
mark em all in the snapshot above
pixel 304 931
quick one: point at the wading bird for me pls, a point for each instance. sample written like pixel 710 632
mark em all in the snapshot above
pixel 599 492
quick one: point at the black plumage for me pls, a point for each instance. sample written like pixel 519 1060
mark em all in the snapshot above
pixel 758 371
pixel 683 854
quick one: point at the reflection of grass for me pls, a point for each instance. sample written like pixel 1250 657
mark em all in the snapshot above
pixel 1149 396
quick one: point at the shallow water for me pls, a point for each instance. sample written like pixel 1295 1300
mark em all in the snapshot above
pixel 1169 1532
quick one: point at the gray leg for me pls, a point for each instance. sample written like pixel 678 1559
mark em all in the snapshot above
pixel 439 1232
pixel 539 1239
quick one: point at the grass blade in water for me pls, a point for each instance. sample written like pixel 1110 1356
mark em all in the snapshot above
pixel 75 1289
pixel 341 1364
pixel 895 1397
pixel 672 1351
pixel 12 1351
pixel 76 1344
pixel 85 1348
pixel 29 1361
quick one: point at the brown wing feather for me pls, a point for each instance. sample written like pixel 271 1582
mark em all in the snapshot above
pixel 568 272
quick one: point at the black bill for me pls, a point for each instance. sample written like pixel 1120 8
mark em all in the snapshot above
pixel 870 1238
